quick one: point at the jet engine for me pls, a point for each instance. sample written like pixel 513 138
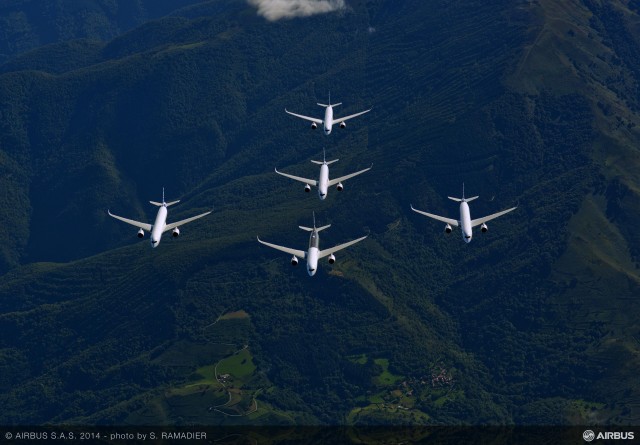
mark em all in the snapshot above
pixel 314 125
pixel 307 188
pixel 484 228
pixel 340 187
pixel 343 125
pixel 294 260
pixel 140 233
pixel 332 259
pixel 447 228
pixel 176 232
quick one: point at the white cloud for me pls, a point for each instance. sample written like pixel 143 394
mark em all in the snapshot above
pixel 274 10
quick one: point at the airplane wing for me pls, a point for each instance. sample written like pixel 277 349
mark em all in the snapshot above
pixel 342 119
pixel 453 222
pixel 300 253
pixel 312 182
pixel 312 119
pixel 138 224
pixel 184 221
pixel 327 252
pixel 344 178
pixel 477 222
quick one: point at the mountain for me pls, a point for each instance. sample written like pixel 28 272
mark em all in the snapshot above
pixel 531 104
pixel 27 24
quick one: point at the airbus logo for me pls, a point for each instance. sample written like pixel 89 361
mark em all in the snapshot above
pixel 589 435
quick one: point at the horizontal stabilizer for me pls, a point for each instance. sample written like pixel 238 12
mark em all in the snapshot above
pixel 327 162
pixel 310 229
pixel 332 105
pixel 463 199
pixel 159 204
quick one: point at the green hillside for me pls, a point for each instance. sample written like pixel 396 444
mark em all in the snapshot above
pixel 527 104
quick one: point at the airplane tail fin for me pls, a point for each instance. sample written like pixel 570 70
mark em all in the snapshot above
pixel 330 104
pixel 160 204
pixel 309 229
pixel 463 198
pixel 324 159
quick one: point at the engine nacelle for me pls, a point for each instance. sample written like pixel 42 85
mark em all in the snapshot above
pixel 140 233
pixel 294 260
pixel 176 232
pixel 448 229
pixel 307 188
pixel 314 125
pixel 332 259
pixel 340 187
pixel 343 125
pixel 484 228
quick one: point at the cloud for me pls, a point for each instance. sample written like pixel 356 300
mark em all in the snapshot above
pixel 274 10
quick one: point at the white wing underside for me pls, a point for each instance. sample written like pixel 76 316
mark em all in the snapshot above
pixel 141 225
pixel 301 116
pixel 342 119
pixel 453 222
pixel 477 222
pixel 312 182
pixel 183 222
pixel 327 252
pixel 344 178
pixel 299 253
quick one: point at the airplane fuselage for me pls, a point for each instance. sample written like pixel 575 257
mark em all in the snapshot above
pixel 328 120
pixel 323 181
pixel 465 222
pixel 158 226
pixel 312 253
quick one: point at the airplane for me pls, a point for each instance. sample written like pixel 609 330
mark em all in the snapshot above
pixel 465 222
pixel 328 120
pixel 314 253
pixel 323 183
pixel 160 225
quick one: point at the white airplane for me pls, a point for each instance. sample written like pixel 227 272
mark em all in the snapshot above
pixel 465 222
pixel 314 253
pixel 323 183
pixel 160 225
pixel 328 120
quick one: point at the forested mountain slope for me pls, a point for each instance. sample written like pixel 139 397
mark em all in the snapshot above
pixel 527 104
